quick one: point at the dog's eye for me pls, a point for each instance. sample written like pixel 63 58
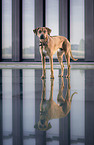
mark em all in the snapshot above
pixel 39 31
pixel 44 31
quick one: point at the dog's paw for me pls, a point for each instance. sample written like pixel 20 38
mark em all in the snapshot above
pixel 67 76
pixel 43 77
pixel 61 75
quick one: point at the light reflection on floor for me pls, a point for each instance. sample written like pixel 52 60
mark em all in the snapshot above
pixel 22 106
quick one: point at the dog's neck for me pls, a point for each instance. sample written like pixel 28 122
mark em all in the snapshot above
pixel 44 42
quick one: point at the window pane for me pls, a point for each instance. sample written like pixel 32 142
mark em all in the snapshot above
pixel 7 106
pixel 28 26
pixel 77 34
pixel 77 113
pixel 52 16
pixel 6 29
pixel 28 103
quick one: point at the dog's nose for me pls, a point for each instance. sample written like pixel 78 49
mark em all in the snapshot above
pixel 42 36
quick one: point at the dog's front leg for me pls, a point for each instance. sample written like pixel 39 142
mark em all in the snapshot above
pixel 68 65
pixel 51 90
pixel 51 64
pixel 43 65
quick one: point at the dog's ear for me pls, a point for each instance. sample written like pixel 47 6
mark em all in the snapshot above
pixel 48 30
pixel 35 30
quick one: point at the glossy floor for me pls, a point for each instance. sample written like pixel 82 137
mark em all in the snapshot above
pixel 46 112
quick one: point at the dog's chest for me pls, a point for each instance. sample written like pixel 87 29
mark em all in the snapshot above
pixel 44 50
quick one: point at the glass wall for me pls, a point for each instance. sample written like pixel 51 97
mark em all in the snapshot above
pixel 77 28
pixel 6 29
pixel 52 10
pixel 28 15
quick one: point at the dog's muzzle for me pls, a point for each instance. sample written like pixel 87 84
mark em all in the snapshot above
pixel 42 37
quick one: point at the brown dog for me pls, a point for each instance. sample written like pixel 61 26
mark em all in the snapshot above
pixel 51 44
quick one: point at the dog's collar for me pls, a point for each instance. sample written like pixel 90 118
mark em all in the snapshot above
pixel 43 43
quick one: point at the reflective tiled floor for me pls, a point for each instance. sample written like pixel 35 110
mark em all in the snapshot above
pixel 46 112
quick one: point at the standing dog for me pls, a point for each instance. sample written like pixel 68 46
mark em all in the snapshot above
pixel 49 45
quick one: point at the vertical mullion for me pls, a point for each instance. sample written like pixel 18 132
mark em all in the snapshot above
pixel 1 129
pixel 16 30
pixel 63 17
pixel 17 106
pixel 21 26
pixel 44 18
pixel 0 84
pixel 68 23
pixel 0 30
pixel 64 24
pixel 38 23
pixel 89 30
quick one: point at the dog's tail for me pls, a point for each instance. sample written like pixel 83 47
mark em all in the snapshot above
pixel 73 95
pixel 73 57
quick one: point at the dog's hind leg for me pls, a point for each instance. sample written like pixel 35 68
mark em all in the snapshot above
pixel 60 59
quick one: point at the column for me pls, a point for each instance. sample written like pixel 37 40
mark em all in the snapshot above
pixel 89 107
pixel 1 130
pixel 0 30
pixel 38 23
pixel 89 30
pixel 16 30
pixel 17 108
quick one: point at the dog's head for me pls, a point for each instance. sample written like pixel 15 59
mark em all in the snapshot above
pixel 42 32
pixel 42 125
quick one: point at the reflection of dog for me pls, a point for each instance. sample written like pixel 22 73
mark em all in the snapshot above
pixel 49 45
pixel 49 109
